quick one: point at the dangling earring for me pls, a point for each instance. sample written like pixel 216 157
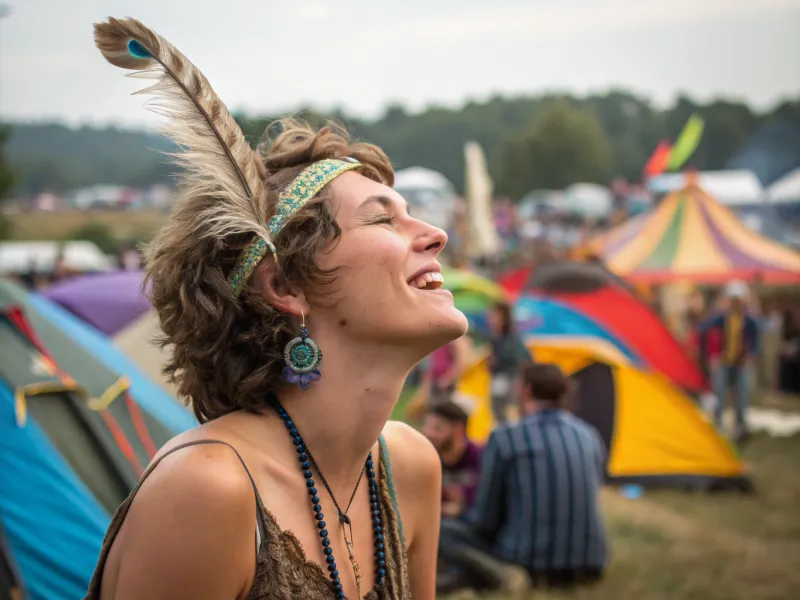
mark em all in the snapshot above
pixel 302 358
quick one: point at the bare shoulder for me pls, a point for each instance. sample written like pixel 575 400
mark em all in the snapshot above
pixel 210 473
pixel 415 461
pixel 195 513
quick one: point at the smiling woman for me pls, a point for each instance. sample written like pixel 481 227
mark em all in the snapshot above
pixel 295 293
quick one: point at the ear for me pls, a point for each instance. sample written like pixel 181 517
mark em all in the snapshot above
pixel 277 291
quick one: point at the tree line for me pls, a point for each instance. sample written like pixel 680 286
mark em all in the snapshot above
pixel 541 142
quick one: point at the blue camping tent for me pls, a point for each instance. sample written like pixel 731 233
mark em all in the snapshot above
pixel 66 461
pixel 52 524
pixel 539 316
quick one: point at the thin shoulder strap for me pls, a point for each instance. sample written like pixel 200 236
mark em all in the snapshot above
pixel 387 465
pixel 119 517
pixel 259 504
pixel 198 443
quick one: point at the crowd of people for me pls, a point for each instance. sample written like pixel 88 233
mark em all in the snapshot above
pixel 522 510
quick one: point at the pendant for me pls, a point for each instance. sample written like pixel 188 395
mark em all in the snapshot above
pixel 356 572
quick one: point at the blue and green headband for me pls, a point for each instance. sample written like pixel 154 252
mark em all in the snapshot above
pixel 300 191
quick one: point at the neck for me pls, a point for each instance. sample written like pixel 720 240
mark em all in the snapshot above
pixel 341 416
pixel 455 452
pixel 533 406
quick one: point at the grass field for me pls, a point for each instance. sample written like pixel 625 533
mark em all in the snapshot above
pixel 54 226
pixel 697 546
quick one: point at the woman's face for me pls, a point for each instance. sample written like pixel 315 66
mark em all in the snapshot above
pixel 389 281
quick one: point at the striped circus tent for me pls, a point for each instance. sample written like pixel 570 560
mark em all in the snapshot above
pixel 692 237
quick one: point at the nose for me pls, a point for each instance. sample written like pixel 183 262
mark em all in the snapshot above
pixel 430 239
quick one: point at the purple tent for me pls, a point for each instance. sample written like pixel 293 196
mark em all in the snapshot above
pixel 107 301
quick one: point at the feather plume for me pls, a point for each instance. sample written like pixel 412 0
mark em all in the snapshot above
pixel 217 161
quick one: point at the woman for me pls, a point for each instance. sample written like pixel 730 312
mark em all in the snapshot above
pixel 509 355
pixel 294 485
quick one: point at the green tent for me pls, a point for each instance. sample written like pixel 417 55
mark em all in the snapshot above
pixel 85 408
pixel 78 424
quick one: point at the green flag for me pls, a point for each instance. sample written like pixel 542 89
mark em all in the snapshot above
pixel 686 143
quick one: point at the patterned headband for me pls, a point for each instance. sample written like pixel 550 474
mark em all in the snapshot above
pixel 300 191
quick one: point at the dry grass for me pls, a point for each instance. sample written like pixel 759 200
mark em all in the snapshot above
pixel 54 226
pixel 677 545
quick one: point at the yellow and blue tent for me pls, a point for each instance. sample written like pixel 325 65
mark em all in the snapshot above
pixel 654 433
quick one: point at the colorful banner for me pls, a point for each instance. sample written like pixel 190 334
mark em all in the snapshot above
pixel 658 160
pixel 687 142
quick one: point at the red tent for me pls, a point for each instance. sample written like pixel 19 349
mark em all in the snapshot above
pixel 598 294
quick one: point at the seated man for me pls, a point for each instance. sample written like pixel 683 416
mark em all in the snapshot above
pixel 536 507
pixel 445 425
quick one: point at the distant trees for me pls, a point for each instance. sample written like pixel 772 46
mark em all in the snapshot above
pixel 56 158
pixel 7 179
pixel 565 135
pixel 7 176
pixel 563 146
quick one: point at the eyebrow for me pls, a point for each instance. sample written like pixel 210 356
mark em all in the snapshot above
pixel 384 201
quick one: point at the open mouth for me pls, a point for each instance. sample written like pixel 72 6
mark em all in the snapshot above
pixel 427 281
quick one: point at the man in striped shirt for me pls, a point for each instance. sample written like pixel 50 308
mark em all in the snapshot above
pixel 536 505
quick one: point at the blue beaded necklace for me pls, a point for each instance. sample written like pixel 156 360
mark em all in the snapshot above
pixel 305 466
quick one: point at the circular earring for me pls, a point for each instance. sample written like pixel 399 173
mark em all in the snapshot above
pixel 302 357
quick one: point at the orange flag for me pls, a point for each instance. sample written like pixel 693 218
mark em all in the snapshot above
pixel 658 160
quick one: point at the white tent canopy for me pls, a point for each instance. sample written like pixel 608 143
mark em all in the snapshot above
pixel 420 177
pixel 588 200
pixel 731 188
pixel 430 194
pixel 21 257
pixel 786 190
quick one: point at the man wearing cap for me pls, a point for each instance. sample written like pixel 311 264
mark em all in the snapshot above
pixel 733 368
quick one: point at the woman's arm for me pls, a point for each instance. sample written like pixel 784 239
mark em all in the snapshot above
pixel 190 532
pixel 417 474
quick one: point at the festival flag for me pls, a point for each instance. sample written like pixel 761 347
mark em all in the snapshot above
pixel 658 160
pixel 686 143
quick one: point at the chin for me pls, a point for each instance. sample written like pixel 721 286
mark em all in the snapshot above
pixel 428 323
pixel 444 325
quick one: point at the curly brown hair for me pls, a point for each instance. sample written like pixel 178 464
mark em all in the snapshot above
pixel 226 353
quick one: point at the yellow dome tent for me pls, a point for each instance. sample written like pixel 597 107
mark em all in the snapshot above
pixel 655 434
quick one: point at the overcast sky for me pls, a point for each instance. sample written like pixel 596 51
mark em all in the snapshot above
pixel 270 56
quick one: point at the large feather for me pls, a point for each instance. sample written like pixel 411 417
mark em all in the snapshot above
pixel 217 161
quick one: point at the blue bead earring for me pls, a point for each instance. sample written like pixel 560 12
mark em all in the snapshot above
pixel 302 357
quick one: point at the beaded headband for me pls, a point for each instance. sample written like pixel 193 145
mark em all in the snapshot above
pixel 300 191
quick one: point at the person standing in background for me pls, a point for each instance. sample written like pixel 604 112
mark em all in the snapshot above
pixel 734 368
pixel 509 356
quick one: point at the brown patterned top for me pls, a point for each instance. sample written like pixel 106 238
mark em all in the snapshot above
pixel 282 571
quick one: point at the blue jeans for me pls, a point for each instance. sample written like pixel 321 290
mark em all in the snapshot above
pixel 737 379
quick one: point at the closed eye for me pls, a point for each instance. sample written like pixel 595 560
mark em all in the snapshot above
pixel 384 220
